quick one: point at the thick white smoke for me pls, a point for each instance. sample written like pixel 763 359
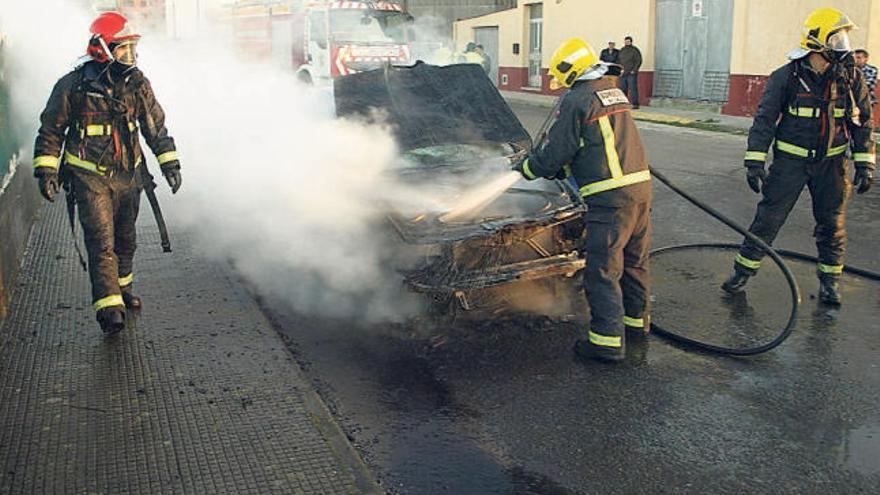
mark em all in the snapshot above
pixel 42 40
pixel 271 179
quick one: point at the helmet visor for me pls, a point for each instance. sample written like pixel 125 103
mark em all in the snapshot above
pixel 839 41
pixel 125 52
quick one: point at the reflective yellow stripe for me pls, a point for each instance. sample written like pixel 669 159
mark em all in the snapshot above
pixel 98 130
pixel 794 150
pixel 608 184
pixel 528 171
pixel 76 161
pixel 114 300
pixel 603 340
pixel 126 280
pixel 102 129
pixel 865 157
pixel 46 161
pixel 810 112
pixel 742 260
pixel 634 322
pixel 831 269
pixel 610 149
pixel 759 156
pixel 805 153
pixel 838 150
pixel 166 157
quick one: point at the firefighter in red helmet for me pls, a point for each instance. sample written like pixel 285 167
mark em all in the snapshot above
pixel 89 141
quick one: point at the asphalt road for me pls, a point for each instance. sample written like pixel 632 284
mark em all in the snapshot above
pixel 505 408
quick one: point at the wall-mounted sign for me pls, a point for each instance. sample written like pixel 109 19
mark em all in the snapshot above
pixel 697 8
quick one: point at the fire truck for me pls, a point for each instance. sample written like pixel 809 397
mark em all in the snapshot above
pixel 324 39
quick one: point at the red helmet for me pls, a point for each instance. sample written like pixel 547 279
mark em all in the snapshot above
pixel 109 29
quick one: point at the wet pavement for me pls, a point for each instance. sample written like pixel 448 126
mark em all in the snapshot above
pixel 504 407
pixel 197 395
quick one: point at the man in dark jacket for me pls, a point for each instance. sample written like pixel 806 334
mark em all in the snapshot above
pixel 595 140
pixel 815 109
pixel 630 58
pixel 610 54
pixel 89 133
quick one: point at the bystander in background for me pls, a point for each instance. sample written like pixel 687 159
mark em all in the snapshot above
pixel 631 59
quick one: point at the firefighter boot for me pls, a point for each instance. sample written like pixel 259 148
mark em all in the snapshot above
pixel 112 319
pixel 131 301
pixel 829 289
pixel 636 327
pixel 736 282
pixel 588 350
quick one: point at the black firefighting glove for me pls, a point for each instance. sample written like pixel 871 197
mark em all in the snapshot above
pixel 49 184
pixel 864 179
pixel 755 175
pixel 171 171
pixel 519 164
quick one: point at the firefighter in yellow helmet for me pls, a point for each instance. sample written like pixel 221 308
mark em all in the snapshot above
pixel 814 109
pixel 594 139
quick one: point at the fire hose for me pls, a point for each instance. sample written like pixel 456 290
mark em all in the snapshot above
pixel 775 255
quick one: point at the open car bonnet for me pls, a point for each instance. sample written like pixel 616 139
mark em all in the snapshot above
pixel 427 105
pixel 449 123
pixel 448 120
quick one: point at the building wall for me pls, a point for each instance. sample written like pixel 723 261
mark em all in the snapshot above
pixel 19 200
pixel 562 20
pixel 763 33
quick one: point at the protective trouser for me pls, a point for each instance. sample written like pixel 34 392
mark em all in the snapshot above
pixel 829 190
pixel 617 280
pixel 629 84
pixel 108 209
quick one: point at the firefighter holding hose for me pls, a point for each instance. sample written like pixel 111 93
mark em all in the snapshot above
pixel 594 140
pixel 88 139
pixel 814 110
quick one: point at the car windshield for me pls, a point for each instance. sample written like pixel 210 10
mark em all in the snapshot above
pixel 369 26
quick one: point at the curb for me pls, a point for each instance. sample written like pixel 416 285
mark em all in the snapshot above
pixel 711 125
pixel 545 101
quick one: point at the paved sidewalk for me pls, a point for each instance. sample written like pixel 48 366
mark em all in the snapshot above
pixel 198 395
pixel 673 116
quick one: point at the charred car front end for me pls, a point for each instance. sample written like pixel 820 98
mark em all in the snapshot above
pixel 454 130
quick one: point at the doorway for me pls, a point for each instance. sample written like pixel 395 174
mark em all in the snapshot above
pixel 693 44
pixel 488 37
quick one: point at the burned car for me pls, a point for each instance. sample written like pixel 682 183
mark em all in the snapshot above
pixel 520 249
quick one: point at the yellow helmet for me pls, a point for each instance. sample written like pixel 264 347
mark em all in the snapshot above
pixel 820 28
pixel 570 61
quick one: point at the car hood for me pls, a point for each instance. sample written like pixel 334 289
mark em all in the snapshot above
pixel 428 105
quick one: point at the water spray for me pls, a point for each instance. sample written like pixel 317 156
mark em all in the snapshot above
pixel 475 200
